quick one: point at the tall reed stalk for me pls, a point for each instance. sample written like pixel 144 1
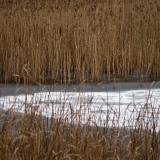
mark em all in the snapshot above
pixel 71 41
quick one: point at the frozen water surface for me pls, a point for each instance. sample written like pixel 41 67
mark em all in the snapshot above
pixel 130 108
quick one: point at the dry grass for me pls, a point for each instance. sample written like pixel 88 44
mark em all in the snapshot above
pixel 71 41
pixel 38 138
pixel 32 136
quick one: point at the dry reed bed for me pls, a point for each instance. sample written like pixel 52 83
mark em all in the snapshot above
pixel 70 41
pixel 31 136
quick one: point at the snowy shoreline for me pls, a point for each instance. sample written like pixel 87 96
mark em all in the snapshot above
pixel 103 105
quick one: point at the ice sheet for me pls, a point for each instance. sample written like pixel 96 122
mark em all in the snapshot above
pixel 134 108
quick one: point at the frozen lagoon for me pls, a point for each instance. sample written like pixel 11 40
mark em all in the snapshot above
pixel 133 105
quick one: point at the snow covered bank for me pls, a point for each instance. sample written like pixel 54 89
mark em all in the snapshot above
pixel 132 108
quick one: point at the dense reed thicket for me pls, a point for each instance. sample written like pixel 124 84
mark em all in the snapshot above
pixel 69 41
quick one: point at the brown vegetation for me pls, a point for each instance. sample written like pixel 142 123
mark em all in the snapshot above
pixel 32 136
pixel 69 41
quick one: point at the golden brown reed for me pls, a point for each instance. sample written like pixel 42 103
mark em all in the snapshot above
pixel 31 136
pixel 69 41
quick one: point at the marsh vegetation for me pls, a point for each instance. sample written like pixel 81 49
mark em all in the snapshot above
pixel 64 42
pixel 80 125
pixel 72 41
